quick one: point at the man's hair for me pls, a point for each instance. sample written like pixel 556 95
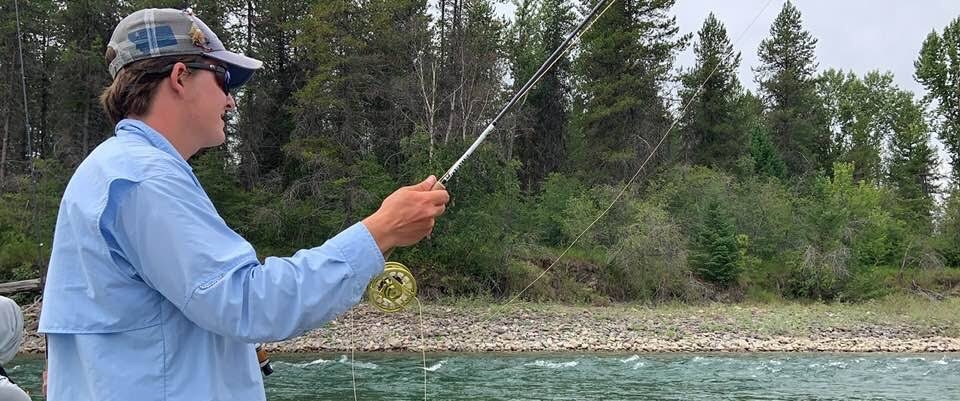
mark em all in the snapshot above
pixel 132 90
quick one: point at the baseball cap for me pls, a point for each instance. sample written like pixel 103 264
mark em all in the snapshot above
pixel 159 32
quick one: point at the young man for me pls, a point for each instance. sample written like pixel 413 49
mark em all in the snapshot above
pixel 149 295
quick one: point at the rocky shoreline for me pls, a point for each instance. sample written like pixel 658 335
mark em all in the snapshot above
pixel 590 329
pixel 554 328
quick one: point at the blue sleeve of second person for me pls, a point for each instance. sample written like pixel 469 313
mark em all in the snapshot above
pixel 171 234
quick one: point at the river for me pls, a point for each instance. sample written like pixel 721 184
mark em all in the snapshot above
pixel 569 376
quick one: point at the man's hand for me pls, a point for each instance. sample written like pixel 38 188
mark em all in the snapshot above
pixel 407 215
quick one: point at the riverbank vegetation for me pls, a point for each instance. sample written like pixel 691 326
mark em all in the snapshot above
pixel 822 185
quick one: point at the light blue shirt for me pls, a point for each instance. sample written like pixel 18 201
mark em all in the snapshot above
pixel 150 296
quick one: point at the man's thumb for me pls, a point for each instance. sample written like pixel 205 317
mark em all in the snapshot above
pixel 427 184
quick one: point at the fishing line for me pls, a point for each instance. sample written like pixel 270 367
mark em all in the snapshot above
pixel 423 348
pixel 393 290
pixel 423 352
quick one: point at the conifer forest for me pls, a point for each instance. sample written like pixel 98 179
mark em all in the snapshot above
pixel 821 184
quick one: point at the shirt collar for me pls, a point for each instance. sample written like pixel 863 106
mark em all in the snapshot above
pixel 129 126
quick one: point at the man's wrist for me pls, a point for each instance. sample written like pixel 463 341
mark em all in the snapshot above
pixel 379 232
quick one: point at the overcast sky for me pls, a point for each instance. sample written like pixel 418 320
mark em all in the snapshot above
pixel 858 35
pixel 853 35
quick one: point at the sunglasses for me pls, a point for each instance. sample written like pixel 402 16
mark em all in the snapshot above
pixel 223 76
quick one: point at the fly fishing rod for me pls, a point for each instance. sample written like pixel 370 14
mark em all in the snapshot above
pixel 395 288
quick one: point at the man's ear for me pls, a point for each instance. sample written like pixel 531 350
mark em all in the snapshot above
pixel 176 77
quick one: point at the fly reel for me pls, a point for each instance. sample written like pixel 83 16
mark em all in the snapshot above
pixel 393 289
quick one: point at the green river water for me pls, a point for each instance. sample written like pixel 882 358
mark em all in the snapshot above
pixel 570 376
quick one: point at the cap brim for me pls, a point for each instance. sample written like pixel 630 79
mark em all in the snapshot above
pixel 241 67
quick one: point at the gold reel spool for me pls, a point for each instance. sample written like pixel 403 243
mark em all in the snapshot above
pixel 393 289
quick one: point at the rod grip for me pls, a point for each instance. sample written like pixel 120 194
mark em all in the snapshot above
pixel 264 360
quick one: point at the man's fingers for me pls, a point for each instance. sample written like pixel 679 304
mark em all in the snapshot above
pixel 438 197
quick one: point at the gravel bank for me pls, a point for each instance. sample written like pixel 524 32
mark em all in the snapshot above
pixel 599 329
pixel 551 328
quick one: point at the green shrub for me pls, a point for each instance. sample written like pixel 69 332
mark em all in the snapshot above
pixel 650 262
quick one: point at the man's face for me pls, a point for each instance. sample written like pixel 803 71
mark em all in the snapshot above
pixel 207 101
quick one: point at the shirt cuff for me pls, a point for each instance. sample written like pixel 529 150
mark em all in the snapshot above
pixel 360 251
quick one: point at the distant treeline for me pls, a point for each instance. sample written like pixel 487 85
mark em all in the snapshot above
pixel 821 185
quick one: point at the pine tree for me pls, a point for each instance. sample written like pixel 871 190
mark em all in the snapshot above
pixel 786 79
pixel 268 29
pixel 352 114
pixel 712 135
pixel 79 125
pixel 715 255
pixel 541 124
pixel 13 119
pixel 624 63
pixel 938 70
pixel 912 172
pixel 398 35
pixel 332 134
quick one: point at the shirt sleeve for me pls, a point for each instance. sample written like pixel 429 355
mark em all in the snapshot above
pixel 171 234
pixel 12 392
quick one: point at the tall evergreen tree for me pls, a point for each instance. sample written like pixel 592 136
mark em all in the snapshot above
pixel 913 164
pixel 79 125
pixel 711 134
pixel 938 70
pixel 786 79
pixel 267 30
pixel 351 115
pixel 13 120
pixel 398 36
pixel 621 71
pixel 541 125
pixel 333 131
pixel 39 57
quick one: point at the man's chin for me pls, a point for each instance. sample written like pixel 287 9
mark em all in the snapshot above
pixel 216 142
pixel 222 135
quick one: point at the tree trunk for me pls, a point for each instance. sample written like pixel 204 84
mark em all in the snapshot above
pixel 428 91
pixel 3 150
pixel 84 131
